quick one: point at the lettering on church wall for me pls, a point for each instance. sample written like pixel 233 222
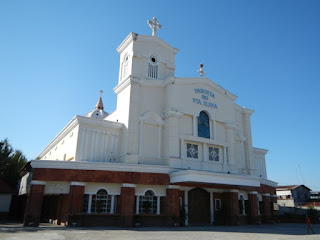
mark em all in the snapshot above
pixel 206 98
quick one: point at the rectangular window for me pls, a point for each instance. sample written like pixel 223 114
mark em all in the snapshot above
pixel 217 203
pixel 192 150
pixel 214 154
pixel 85 203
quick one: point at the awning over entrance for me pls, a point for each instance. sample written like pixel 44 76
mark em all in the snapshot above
pixel 193 176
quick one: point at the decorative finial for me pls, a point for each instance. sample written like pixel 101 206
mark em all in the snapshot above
pixel 201 70
pixel 99 104
pixel 154 25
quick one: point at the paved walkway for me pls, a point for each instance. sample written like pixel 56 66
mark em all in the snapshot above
pixel 51 232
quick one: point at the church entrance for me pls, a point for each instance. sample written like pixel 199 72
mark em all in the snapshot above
pixel 199 207
pixel 49 208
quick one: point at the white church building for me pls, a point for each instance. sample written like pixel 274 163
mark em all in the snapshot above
pixel 176 151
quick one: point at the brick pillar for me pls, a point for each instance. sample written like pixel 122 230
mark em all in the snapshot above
pixel 172 205
pixel 34 204
pixel 253 208
pixel 76 194
pixel 127 204
pixel 230 203
pixel 267 209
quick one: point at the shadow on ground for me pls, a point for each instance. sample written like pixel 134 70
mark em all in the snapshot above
pixel 280 228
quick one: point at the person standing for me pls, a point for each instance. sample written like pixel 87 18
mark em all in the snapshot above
pixel 309 227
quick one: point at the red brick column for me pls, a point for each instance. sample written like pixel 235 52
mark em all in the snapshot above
pixel 267 210
pixel 127 204
pixel 76 195
pixel 34 204
pixel 230 202
pixel 172 205
pixel 253 208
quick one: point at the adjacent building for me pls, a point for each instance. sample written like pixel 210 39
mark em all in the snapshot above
pixel 176 151
pixel 293 195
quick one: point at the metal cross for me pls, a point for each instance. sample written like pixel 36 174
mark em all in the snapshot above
pixel 201 70
pixel 154 25
pixel 101 93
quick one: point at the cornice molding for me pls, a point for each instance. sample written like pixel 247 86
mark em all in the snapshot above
pixel 171 112
pixel 260 150
pixel 108 166
pixel 129 39
pixel 213 178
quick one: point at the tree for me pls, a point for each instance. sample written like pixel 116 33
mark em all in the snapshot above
pixel 11 162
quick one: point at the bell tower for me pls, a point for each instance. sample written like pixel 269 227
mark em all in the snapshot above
pixel 146 57
pixel 146 62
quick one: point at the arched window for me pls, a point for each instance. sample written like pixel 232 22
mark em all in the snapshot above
pixel 242 205
pixel 125 66
pixel 101 202
pixel 153 67
pixel 203 125
pixel 148 203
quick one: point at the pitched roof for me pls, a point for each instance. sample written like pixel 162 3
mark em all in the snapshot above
pixel 5 188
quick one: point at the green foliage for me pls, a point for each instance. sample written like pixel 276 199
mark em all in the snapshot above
pixel 11 162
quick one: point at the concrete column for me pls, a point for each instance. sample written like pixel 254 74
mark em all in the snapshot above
pixel 205 152
pixel 137 204
pixel 195 127
pixel 106 154
pixel 112 204
pixel 34 204
pixel 214 130
pixel 112 148
pixel 159 141
pixel 127 198
pixel 158 204
pixel 225 160
pixel 89 203
pixel 116 140
pixel 182 148
pixel 140 138
pixel 80 151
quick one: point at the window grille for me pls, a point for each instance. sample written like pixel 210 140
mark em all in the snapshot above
pixel 153 68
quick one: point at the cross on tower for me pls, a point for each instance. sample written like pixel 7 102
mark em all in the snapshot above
pixel 201 70
pixel 154 25
pixel 101 93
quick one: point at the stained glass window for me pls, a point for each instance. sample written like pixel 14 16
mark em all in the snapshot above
pixel 203 125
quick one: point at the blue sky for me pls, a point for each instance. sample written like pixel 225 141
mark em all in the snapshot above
pixel 55 56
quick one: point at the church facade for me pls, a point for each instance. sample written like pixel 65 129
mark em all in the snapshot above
pixel 176 151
